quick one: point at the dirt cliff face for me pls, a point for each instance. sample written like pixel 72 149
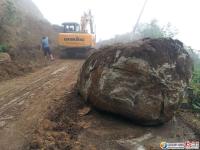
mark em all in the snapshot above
pixel 21 28
pixel 143 80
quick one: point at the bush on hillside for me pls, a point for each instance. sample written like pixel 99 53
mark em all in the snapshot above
pixel 3 48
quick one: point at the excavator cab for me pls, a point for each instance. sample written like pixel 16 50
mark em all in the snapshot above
pixel 70 27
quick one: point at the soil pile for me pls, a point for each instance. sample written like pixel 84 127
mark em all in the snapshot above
pixel 60 129
pixel 10 70
pixel 143 80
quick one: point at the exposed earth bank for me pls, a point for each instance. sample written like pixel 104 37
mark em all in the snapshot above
pixel 21 28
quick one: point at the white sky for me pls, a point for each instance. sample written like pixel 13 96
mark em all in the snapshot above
pixel 119 16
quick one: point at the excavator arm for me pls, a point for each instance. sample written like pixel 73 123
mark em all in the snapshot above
pixel 87 19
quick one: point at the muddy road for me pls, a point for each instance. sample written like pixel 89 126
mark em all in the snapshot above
pixel 24 100
pixel 42 110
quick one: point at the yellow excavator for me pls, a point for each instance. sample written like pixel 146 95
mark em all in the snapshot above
pixel 77 40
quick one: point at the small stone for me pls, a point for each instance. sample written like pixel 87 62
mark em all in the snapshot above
pixel 84 111
pixel 2 124
pixel 5 57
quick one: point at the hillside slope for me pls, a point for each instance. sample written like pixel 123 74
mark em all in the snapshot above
pixel 22 26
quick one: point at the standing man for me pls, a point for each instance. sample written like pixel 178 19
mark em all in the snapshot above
pixel 45 47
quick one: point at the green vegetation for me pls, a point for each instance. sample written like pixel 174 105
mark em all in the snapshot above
pixel 144 30
pixel 154 30
pixel 3 48
pixel 195 83
pixel 195 100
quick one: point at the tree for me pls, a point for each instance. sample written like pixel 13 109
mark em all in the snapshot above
pixel 154 30
pixel 195 57
pixel 151 30
pixel 194 96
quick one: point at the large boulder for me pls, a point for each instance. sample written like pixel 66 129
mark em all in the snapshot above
pixel 142 80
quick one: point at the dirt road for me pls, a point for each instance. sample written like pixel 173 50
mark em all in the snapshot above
pixel 24 100
pixel 43 111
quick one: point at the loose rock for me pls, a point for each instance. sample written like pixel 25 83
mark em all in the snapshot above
pixel 5 57
pixel 143 80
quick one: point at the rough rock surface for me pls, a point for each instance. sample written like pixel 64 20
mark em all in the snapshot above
pixel 143 80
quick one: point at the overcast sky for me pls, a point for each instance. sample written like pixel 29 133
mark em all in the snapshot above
pixel 119 16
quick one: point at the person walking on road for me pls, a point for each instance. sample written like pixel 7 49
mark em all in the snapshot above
pixel 45 47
